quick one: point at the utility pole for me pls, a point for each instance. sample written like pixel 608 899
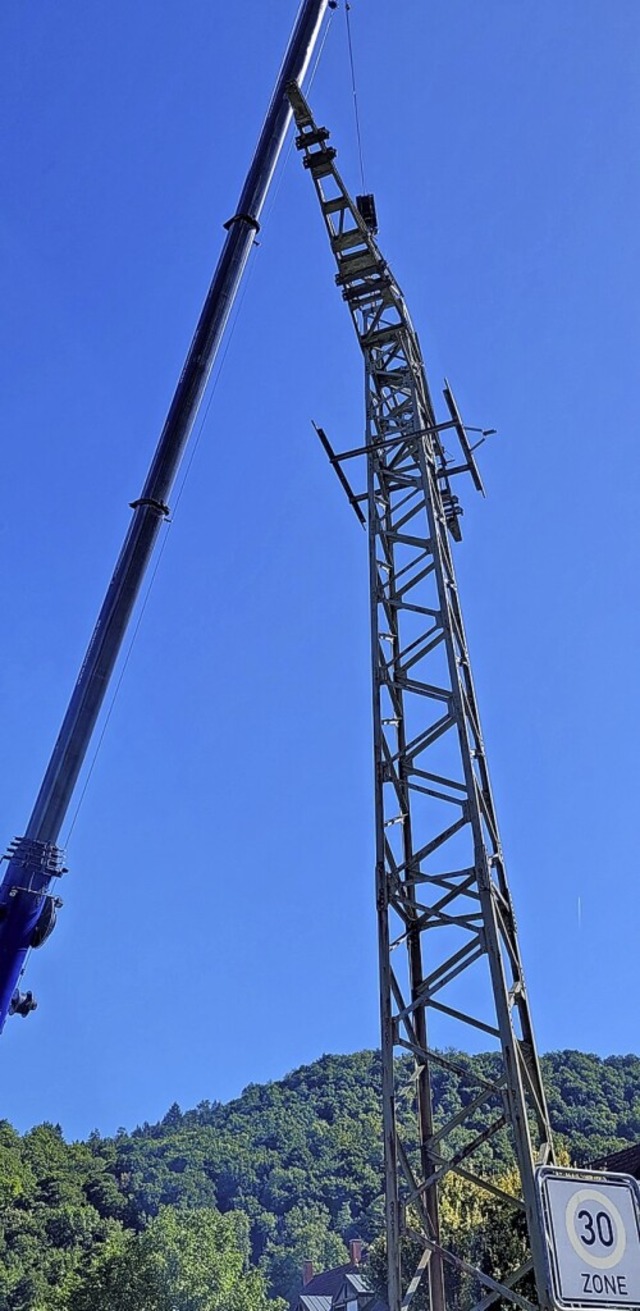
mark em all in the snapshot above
pixel 448 944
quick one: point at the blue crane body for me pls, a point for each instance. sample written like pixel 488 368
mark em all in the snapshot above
pixel 28 892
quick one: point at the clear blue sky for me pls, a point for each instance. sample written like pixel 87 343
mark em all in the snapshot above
pixel 218 925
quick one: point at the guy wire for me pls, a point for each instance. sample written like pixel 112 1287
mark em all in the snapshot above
pixel 347 11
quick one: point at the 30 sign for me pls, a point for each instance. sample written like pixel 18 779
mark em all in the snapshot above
pixel 591 1224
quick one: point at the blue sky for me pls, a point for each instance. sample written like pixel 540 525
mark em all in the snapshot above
pixel 218 926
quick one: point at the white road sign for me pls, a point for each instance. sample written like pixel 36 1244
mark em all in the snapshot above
pixel 593 1237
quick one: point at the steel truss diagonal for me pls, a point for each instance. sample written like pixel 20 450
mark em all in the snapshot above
pixel 448 945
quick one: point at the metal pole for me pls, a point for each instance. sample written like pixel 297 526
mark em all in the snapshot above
pixel 27 907
pixel 151 507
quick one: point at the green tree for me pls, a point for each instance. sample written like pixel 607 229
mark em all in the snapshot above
pixel 182 1261
pixel 305 1234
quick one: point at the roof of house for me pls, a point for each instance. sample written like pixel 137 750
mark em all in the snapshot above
pixel 328 1282
pixel 311 1303
pixel 356 1282
pixel 626 1161
pixel 319 1292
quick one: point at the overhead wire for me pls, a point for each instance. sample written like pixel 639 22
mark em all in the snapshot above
pixel 354 90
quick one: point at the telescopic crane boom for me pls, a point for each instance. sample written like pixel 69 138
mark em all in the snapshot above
pixel 27 903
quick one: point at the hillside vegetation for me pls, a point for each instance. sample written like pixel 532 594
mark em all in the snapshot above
pixel 233 1197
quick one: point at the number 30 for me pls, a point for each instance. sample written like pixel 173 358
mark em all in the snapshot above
pixel 603 1226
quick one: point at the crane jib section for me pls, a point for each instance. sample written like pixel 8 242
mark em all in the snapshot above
pixel 28 902
pixel 449 958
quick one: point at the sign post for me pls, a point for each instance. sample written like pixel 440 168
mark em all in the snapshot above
pixel 591 1223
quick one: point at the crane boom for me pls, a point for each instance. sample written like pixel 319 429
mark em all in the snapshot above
pixel 448 944
pixel 27 904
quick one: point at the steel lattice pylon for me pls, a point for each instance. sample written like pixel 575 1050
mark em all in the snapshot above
pixel 448 944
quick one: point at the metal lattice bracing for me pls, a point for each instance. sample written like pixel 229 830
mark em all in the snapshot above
pixel 448 945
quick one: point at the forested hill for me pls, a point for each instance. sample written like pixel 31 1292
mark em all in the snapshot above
pixel 300 1159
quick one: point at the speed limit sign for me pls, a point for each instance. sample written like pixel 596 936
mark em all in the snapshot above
pixel 591 1225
